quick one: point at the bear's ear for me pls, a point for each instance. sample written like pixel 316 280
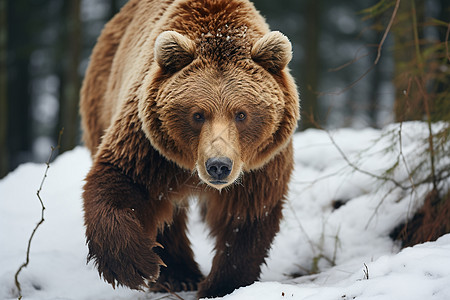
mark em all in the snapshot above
pixel 173 51
pixel 273 51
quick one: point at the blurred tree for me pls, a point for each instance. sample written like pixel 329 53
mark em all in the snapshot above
pixel 113 8
pixel 21 28
pixel 51 40
pixel 422 84
pixel 70 79
pixel 311 68
pixel 288 17
pixel 376 80
pixel 443 85
pixel 4 166
pixel 422 70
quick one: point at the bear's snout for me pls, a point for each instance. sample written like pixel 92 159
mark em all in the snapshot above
pixel 219 168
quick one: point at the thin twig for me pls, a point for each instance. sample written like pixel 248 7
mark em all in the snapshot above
pixel 355 59
pixel 27 260
pixel 377 59
pixel 386 32
pixel 310 242
pixel 400 142
pixel 356 168
pixel 375 211
pixel 316 180
pixel 366 272
pixel 336 245
pixel 426 101
pixel 351 85
pixel 411 180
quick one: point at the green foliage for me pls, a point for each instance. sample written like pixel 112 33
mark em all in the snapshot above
pixel 378 9
pixel 422 84
pixel 421 59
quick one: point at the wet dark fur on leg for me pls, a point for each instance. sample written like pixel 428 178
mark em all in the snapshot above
pixel 182 272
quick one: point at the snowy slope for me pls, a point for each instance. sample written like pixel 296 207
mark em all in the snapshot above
pixel 335 244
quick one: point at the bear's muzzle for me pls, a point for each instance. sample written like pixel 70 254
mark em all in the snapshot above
pixel 219 168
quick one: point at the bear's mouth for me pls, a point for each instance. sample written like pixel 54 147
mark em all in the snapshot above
pixel 218 182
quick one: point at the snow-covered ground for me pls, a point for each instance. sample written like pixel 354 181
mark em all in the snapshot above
pixel 344 253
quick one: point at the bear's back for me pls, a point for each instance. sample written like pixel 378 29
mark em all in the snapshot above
pixel 112 64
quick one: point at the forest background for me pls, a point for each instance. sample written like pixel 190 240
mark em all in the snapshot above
pixel 356 64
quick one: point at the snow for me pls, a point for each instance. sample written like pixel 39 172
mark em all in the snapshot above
pixel 344 253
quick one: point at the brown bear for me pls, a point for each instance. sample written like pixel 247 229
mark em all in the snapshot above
pixel 186 98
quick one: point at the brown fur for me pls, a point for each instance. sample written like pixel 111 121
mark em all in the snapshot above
pixel 172 84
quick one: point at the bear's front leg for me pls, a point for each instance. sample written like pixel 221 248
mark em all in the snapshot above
pixel 182 272
pixel 121 225
pixel 241 247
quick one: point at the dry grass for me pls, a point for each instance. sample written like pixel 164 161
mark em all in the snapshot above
pixel 428 224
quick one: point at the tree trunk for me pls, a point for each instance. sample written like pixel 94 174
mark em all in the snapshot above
pixel 311 68
pixel 20 44
pixel 71 80
pixel 4 165
pixel 113 8
pixel 373 107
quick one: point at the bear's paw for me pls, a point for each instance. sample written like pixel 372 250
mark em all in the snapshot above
pixel 124 269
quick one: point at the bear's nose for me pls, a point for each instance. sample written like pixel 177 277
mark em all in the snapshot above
pixel 219 167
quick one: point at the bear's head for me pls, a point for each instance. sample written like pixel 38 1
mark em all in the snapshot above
pixel 215 115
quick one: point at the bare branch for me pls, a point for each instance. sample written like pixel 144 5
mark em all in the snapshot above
pixel 388 28
pixel 351 85
pixel 356 168
pixel 426 101
pixel 355 59
pixel 377 59
pixel 27 260
pixel 411 180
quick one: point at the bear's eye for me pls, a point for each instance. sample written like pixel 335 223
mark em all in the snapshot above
pixel 240 116
pixel 199 117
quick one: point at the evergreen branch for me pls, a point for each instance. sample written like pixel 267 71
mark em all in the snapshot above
pixel 430 131
pixel 411 180
pixel 38 193
pixel 377 9
pixel 416 36
pixel 446 42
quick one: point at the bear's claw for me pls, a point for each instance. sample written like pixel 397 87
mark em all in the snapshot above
pixel 129 266
pixel 173 286
pixel 131 272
